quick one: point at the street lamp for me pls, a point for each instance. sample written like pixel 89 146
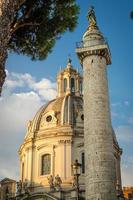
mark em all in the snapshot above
pixel 76 172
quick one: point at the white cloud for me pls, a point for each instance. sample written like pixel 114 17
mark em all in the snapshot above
pixel 9 167
pixel 127 179
pixel 126 103
pixel 124 133
pixel 45 87
pixel 119 104
pixel 130 120
pixel 127 170
pixel 125 137
pixel 16 109
pixel 114 114
pixel 116 104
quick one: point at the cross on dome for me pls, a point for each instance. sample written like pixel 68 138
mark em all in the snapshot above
pixel 69 65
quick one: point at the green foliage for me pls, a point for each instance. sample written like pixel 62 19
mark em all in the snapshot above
pixel 39 23
pixel 131 14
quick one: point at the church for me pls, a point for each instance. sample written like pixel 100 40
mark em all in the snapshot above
pixel 55 139
pixel 53 153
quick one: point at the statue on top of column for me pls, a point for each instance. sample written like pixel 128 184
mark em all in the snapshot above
pixel 91 16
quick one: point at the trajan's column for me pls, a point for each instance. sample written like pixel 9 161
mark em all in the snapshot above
pixel 94 56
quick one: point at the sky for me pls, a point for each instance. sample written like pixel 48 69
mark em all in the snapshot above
pixel 31 84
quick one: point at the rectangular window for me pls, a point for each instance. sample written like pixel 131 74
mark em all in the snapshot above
pixel 46 164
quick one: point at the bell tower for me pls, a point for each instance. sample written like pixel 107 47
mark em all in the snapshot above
pixel 69 81
pixel 94 55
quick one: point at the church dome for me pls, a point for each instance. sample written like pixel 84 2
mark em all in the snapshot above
pixel 65 110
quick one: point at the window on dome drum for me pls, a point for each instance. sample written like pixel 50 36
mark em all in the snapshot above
pixel 72 85
pixel 46 164
pixel 83 162
pixel 65 84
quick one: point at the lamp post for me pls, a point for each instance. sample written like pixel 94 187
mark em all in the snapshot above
pixel 76 171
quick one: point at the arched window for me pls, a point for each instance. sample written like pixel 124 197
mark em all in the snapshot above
pixel 83 162
pixel 72 85
pixel 46 164
pixel 65 84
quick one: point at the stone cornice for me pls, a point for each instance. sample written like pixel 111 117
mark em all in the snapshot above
pixel 55 130
pixel 65 141
pixel 80 144
pixel 45 145
pixel 100 50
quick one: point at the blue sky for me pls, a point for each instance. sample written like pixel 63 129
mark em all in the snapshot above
pixel 30 84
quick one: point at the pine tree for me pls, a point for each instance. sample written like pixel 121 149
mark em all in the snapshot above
pixel 31 27
pixel 7 8
pixel 131 14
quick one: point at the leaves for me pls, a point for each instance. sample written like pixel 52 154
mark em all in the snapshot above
pixel 131 14
pixel 39 23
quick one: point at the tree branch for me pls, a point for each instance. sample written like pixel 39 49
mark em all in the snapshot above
pixel 20 3
pixel 22 25
pixel 18 24
pixel 30 9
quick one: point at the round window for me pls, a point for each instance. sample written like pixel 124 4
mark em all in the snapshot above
pixel 48 118
pixel 82 117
